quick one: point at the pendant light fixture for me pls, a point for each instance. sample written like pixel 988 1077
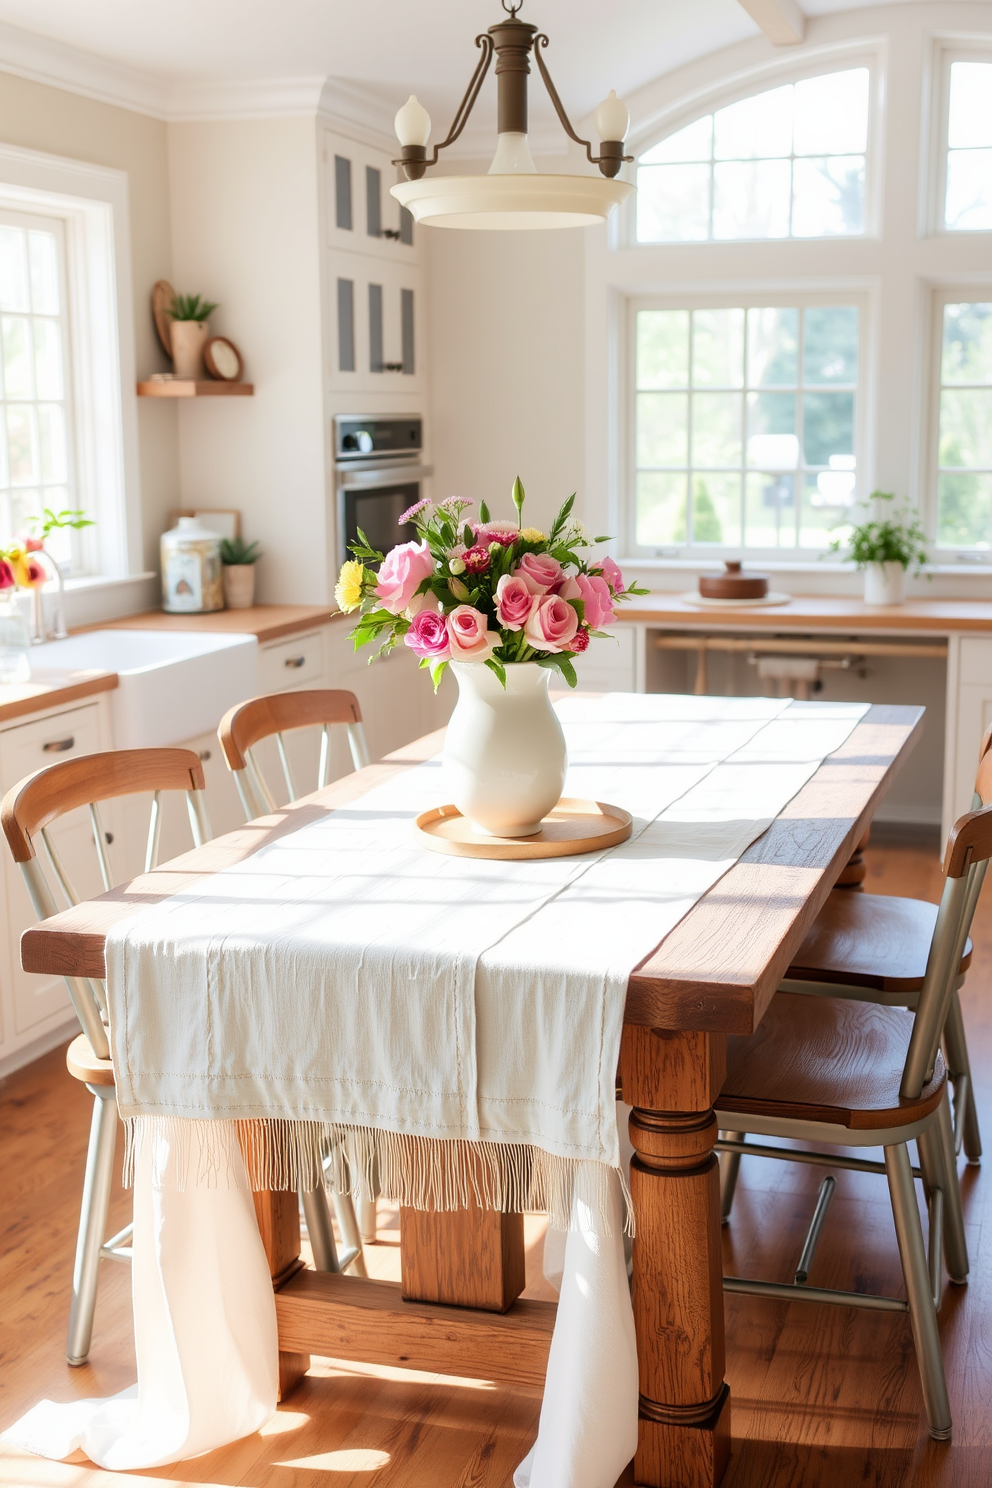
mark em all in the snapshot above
pixel 514 194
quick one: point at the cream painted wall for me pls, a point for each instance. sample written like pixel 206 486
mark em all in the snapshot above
pixel 36 117
pixel 245 233
pixel 507 366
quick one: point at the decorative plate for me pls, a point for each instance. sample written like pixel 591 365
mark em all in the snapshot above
pixel 223 360
pixel 163 295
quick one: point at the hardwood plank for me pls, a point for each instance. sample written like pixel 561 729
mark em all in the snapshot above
pixel 347 1317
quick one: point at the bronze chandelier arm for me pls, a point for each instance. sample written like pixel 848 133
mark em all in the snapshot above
pixel 609 159
pixel 419 162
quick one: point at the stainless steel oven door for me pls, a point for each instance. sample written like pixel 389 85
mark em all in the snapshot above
pixel 373 496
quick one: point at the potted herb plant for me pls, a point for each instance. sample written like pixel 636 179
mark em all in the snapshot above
pixel 239 559
pixel 190 329
pixel 885 547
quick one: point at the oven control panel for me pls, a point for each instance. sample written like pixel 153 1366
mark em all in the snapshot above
pixel 379 437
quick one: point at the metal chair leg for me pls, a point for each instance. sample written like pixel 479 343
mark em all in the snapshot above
pixel 92 1221
pixel 956 1051
pixel 921 1310
pixel 318 1218
pixel 955 1241
pixel 730 1163
pixel 344 1210
pixel 367 1220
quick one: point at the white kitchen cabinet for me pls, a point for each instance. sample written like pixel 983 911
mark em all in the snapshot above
pixel 609 665
pixel 34 1009
pixel 969 714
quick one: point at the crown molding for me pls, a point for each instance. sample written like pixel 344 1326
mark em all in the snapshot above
pixel 264 98
pixel 40 59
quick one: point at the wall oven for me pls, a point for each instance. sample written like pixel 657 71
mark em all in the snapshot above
pixel 379 472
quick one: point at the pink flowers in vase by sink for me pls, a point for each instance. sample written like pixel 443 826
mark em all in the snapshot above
pixel 485 591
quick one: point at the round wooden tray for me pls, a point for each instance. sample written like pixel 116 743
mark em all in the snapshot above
pixel 573 827
pixel 693 597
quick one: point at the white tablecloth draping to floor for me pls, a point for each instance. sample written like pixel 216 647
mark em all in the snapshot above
pixel 345 984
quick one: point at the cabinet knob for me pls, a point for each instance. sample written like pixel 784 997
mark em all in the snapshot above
pixel 295 662
pixel 58 746
pixel 203 755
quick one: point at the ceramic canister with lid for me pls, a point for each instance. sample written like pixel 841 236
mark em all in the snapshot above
pixel 191 569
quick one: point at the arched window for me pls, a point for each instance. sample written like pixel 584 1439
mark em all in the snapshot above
pixel 786 163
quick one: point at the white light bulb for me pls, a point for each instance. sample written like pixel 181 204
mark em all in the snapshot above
pixel 412 123
pixel 612 118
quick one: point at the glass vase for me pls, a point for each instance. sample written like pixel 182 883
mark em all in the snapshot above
pixel 15 642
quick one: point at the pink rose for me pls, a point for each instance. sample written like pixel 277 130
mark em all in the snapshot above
pixel 428 635
pixel 551 624
pixel 403 570
pixel 594 592
pixel 467 634
pixel 514 602
pixel 539 571
pixel 7 579
pixel 612 575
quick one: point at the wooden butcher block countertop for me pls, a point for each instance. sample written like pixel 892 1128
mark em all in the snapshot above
pixel 267 622
pixel 817 612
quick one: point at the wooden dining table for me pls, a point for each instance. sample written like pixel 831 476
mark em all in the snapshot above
pixel 458 1309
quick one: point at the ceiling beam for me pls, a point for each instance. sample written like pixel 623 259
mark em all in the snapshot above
pixel 781 20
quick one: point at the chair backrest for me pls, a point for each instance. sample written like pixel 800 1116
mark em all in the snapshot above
pixel 966 857
pixel 276 715
pixel 36 802
pixel 984 748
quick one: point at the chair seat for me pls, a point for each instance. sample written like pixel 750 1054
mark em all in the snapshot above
pixel 870 940
pixel 84 1065
pixel 829 1060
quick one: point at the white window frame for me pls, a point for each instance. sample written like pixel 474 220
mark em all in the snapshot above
pixel 707 299
pixel 944 294
pixel 933 196
pixel 776 75
pixel 91 202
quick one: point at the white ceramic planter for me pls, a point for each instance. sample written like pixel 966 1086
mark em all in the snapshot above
pixel 504 752
pixel 885 583
pixel 239 585
pixel 188 340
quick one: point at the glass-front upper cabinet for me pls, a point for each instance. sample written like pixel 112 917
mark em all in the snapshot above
pixel 360 216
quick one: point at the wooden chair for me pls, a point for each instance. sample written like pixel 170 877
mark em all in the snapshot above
pixel 278 714
pixel 858 1074
pixel 241 729
pixel 28 810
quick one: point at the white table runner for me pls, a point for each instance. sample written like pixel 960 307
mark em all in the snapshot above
pixel 345 987
pixel 381 991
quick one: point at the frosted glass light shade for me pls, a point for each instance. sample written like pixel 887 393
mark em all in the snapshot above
pixel 612 118
pixel 513 157
pixel 412 123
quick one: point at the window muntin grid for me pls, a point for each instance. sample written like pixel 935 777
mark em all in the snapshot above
pixel 964 433
pixel 790 162
pixel 745 426
pixel 35 406
pixel 968 179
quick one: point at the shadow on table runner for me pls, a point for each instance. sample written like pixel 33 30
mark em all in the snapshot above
pixel 426 1173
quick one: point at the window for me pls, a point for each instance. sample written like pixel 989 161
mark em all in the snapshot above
pixel 745 425
pixel 964 438
pixel 968 187
pixel 786 163
pixel 35 409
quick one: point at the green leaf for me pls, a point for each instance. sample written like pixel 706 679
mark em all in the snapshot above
pixel 500 671
pixel 468 536
pixel 191 307
pixel 438 669
pixel 483 512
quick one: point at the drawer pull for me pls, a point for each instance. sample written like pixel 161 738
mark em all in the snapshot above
pixel 295 662
pixel 58 746
pixel 203 755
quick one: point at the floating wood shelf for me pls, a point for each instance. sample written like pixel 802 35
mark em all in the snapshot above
pixel 178 387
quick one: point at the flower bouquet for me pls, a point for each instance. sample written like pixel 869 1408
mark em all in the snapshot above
pixel 505 605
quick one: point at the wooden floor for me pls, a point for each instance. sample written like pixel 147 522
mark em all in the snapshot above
pixel 822 1397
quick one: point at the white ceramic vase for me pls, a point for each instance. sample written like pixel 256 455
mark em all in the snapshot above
pixel 189 337
pixel 504 752
pixel 885 584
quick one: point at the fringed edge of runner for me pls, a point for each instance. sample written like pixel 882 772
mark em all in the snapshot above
pixel 426 1173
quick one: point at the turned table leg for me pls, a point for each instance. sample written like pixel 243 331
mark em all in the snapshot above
pixel 672 1079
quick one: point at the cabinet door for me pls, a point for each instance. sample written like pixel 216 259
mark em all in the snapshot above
pixel 608 665
pixel 24 749
pixel 374 319
pixel 360 215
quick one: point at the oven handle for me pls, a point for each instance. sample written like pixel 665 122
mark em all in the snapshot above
pixel 382 475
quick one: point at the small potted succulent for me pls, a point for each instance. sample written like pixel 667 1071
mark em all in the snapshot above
pixel 885 547
pixel 239 559
pixel 189 333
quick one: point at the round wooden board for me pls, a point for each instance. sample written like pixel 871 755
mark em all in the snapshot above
pixel 573 827
pixel 163 295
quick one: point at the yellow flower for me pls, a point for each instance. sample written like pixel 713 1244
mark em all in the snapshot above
pixel 531 534
pixel 348 589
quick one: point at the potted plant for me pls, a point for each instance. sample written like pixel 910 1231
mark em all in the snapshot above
pixel 239 559
pixel 505 606
pixel 190 314
pixel 885 547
